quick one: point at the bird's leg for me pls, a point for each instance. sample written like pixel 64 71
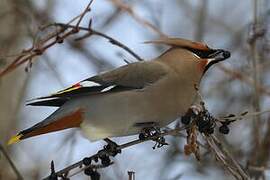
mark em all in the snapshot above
pixel 153 132
pixel 160 140
pixel 111 148
pixel 147 129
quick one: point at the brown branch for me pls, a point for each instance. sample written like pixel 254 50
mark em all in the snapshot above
pixel 238 75
pixel 244 78
pixel 58 36
pixel 16 171
pixel 215 145
pixel 225 157
pixel 39 48
pixel 256 83
pixel 128 9
pixel 79 164
pixel 87 9
pixel 111 40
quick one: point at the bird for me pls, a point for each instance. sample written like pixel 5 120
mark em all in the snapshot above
pixel 138 95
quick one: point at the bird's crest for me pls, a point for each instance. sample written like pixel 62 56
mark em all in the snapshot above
pixel 179 42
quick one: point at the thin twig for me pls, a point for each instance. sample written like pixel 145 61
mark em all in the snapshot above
pixel 220 157
pixel 256 101
pixel 86 10
pixel 40 47
pixel 244 78
pixel 120 147
pixel 225 157
pixel 58 37
pixel 16 171
pixel 128 9
pixel 230 157
pixel 95 32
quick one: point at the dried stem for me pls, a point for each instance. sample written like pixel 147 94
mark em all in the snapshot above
pixel 256 103
pixel 39 48
pixel 58 36
pixel 225 157
pixel 129 10
pixel 16 171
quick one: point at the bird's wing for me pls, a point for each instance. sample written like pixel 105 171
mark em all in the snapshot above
pixel 132 76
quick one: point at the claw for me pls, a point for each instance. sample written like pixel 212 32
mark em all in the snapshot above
pixel 111 148
pixel 153 132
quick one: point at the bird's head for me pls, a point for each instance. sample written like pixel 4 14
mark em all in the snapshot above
pixel 205 55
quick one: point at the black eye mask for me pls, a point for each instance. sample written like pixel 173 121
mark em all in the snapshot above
pixel 216 55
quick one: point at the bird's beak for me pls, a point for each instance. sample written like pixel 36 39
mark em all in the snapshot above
pixel 219 55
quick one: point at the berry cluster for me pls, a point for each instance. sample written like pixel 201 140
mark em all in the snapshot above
pixel 103 156
pixel 205 122
pixel 94 175
pixel 151 132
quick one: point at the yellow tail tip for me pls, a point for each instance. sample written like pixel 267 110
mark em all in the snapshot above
pixel 15 139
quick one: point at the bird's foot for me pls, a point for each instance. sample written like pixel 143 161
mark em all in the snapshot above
pixel 154 134
pixel 148 132
pixel 160 141
pixel 111 148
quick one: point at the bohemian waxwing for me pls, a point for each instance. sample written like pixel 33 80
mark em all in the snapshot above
pixel 125 100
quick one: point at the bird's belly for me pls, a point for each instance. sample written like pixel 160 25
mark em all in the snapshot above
pixel 118 114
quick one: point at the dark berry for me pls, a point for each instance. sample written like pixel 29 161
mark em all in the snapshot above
pixel 115 152
pixel 53 177
pixel 105 160
pixel 95 176
pixel 87 161
pixel 89 172
pixel 142 136
pixel 185 120
pixel 224 129
pixel 203 125
pixel 96 159
pixel 210 131
pixel 59 40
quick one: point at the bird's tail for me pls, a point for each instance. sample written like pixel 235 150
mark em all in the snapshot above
pixel 50 124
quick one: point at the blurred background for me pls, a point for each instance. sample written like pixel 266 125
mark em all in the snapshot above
pixel 237 85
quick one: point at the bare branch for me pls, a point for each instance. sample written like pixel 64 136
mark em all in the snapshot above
pixel 128 9
pixel 79 164
pixel 16 171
